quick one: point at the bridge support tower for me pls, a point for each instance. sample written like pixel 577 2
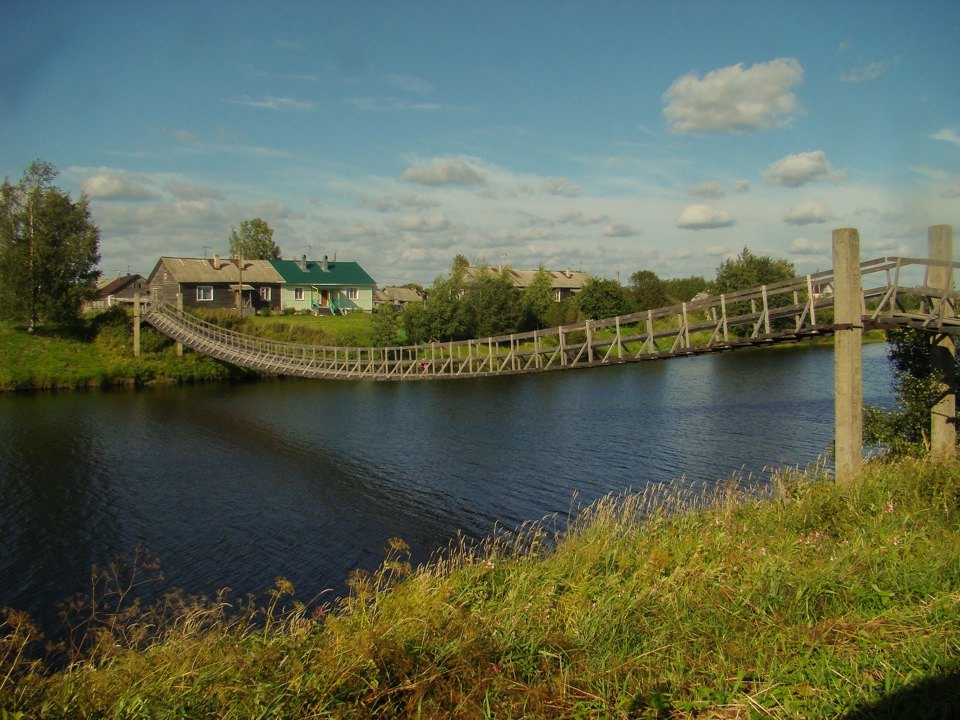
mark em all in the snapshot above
pixel 136 324
pixel 848 355
pixel 943 415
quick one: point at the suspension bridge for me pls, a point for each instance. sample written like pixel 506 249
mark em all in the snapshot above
pixel 782 312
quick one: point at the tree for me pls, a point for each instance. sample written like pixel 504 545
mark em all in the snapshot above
pixel 49 249
pixel 492 304
pixel 536 301
pixel 683 289
pixel 751 271
pixel 386 325
pixel 748 270
pixel 917 385
pixel 254 241
pixel 602 298
pixel 647 290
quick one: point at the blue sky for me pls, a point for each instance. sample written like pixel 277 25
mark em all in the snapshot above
pixel 604 136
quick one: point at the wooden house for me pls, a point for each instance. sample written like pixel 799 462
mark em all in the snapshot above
pixel 216 283
pixel 324 286
pixel 117 290
pixel 563 283
pixel 397 297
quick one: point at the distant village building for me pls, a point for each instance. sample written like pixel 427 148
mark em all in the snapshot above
pixel 318 286
pixel 564 283
pixel 398 297
pixel 117 290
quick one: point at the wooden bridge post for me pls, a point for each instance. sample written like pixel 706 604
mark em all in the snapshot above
pixel 136 324
pixel 179 345
pixel 943 415
pixel 848 355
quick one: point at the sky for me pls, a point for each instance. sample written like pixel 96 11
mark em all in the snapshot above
pixel 603 136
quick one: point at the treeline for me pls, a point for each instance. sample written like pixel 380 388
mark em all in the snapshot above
pixel 462 305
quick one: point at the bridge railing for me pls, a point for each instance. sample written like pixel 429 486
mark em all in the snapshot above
pixel 776 312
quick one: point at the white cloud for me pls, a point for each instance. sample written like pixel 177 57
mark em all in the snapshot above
pixel 452 171
pixel 560 186
pixel 106 185
pixel 800 169
pixel 742 186
pixel 807 213
pixel 951 192
pixel 805 246
pixel 947 135
pixel 621 230
pixel 582 218
pixel 419 223
pixel 865 72
pixel 734 99
pixel 189 191
pixel 270 102
pixel 703 217
pixel 715 250
pixel 711 189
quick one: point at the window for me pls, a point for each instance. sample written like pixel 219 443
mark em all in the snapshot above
pixel 353 293
pixel 204 293
pixel 298 293
pixel 265 293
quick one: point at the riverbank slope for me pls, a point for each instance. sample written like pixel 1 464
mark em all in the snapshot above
pixel 809 602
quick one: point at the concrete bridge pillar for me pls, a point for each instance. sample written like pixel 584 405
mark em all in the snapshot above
pixel 136 324
pixel 848 355
pixel 943 415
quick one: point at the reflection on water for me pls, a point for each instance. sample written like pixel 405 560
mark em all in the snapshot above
pixel 233 486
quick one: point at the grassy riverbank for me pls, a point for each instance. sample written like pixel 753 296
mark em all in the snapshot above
pixel 98 353
pixel 812 602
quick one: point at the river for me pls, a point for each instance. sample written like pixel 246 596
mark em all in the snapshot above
pixel 236 485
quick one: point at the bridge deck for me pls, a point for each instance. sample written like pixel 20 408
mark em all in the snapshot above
pixel 782 312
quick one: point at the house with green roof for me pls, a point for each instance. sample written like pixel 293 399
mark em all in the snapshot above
pixel 324 286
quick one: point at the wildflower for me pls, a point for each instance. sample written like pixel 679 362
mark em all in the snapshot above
pixel 888 508
pixel 488 565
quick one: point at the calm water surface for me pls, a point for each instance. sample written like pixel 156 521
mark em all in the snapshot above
pixel 233 486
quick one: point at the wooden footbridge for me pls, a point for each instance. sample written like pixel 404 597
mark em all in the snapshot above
pixel 778 313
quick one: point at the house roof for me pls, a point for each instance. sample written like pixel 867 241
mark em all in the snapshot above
pixel 559 279
pixel 312 272
pixel 397 294
pixel 111 286
pixel 216 270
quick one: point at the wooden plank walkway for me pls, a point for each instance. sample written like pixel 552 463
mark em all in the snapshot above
pixel 778 313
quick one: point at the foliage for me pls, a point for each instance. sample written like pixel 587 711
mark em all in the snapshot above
pixel 385 324
pixel 917 385
pixel 254 241
pixel 748 270
pixel 803 601
pixel 492 304
pixel 684 289
pixel 602 298
pixel 647 290
pixel 536 301
pixel 48 250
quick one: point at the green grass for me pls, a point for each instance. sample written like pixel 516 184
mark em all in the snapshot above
pixel 99 353
pixel 809 602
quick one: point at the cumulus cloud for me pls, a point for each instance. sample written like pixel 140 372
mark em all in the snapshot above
pixel 106 185
pixel 621 230
pixel 802 168
pixel 805 246
pixel 807 213
pixel 560 186
pixel 707 190
pixel 419 223
pixel 582 218
pixel 734 99
pixel 445 172
pixel 270 102
pixel 703 217
pixel 189 191
pixel 742 186
pixel 947 135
